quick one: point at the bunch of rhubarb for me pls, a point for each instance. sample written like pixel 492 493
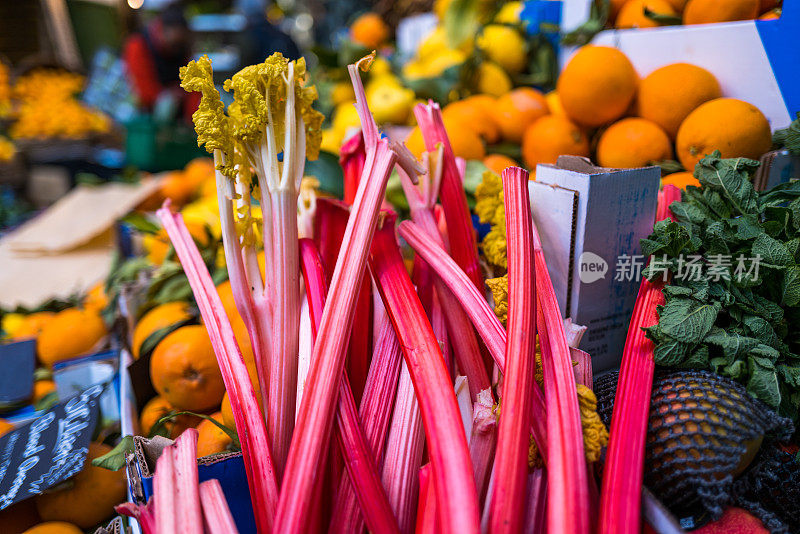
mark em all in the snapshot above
pixel 396 397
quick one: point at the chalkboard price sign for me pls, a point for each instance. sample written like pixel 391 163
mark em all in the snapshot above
pixel 48 450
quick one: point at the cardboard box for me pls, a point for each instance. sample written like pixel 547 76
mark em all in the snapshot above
pixel 590 219
pixel 755 61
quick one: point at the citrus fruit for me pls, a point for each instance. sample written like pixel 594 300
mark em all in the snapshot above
pixel 389 103
pixel 184 370
pixel 369 30
pixel 42 388
pixel 632 14
pixel 775 14
pixel 633 142
pixel 32 325
pixel 91 497
pixel 554 103
pixel 597 86
pixel 70 333
pixel 678 5
pixel 342 93
pixel 158 407
pixel 614 7
pixel 177 188
pixel 680 180
pixel 211 439
pixel 54 527
pixel 550 137
pixel 473 115
pixel 96 298
pixel 198 171
pixel 156 246
pixel 465 142
pixel 509 13
pixel 497 162
pixel 667 95
pixel 735 128
pixel 505 46
pixel 161 316
pixel 709 11
pixel 517 110
pixel 491 79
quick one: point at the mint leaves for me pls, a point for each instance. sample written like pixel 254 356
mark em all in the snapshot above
pixel 733 301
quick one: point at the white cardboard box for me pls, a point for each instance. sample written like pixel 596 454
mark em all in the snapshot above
pixel 588 217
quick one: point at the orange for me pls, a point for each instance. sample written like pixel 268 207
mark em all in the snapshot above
pixel 708 11
pixel 735 128
pixel 497 162
pixel 465 143
pixel 157 245
pixel 550 137
pixel 473 115
pixel 768 5
pixel 239 329
pixel 184 370
pixel 33 324
pixel 5 427
pixel 54 527
pixel 518 109
pixel 775 14
pixel 92 496
pixel 71 333
pixel 680 180
pixel 158 407
pixel 632 14
pixel 198 172
pixel 42 388
pixel 633 142
pixel 19 517
pixel 678 5
pixel 667 95
pixel 616 6
pixel 369 30
pixel 96 298
pixel 161 316
pixel 177 188
pixel 597 85
pixel 211 439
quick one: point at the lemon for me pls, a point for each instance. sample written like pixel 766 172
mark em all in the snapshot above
pixel 380 66
pixel 345 117
pixel 440 7
pixel 11 323
pixel 509 13
pixel 390 104
pixel 383 80
pixel 415 69
pixel 554 103
pixel 492 80
pixel 331 141
pixel 204 211
pixel 342 93
pixel 505 46
pixel 444 60
pixel 434 43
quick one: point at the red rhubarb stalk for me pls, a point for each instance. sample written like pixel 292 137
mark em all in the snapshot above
pixel 478 310
pixel 188 513
pixel 620 498
pixel 567 478
pixel 463 243
pixel 536 517
pixel 359 456
pixel 218 518
pixel 315 421
pixel 456 496
pixel 247 415
pixel 427 518
pixel 352 157
pixel 404 447
pixel 508 500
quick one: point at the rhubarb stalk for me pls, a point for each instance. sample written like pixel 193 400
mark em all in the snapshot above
pixel 218 518
pixel 620 498
pixel 313 430
pixel 187 514
pixel 247 415
pixel 456 496
pixel 508 500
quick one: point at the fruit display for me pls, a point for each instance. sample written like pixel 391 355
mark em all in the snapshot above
pixel 355 314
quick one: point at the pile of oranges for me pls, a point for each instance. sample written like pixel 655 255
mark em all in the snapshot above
pixel 653 13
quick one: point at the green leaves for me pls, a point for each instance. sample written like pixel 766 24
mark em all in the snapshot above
pixel 744 322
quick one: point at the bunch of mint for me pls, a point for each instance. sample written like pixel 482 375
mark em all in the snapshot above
pixel 733 295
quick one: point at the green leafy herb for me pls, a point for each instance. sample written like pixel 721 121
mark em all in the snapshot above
pixel 733 302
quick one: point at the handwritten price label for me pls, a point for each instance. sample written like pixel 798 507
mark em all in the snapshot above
pixel 48 450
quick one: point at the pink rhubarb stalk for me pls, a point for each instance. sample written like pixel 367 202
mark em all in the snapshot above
pixel 478 310
pixel 404 447
pixel 483 439
pixel 352 157
pixel 247 415
pixel 313 430
pixel 568 502
pixel 456 496
pixel 188 514
pixel 218 518
pixel 508 499
pixel 463 243
pixel 165 493
pixel 358 455
pixel 620 498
